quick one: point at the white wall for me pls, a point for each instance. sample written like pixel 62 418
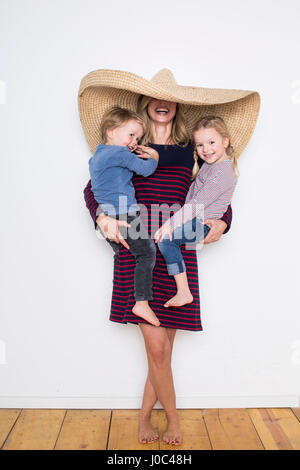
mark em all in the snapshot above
pixel 58 347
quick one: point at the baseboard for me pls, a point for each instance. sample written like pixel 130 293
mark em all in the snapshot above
pixel 96 402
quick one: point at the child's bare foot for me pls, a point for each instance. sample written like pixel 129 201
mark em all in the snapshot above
pixel 142 309
pixel 180 299
pixel 146 432
pixel 173 434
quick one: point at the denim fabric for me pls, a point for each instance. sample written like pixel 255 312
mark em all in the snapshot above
pixel 189 233
pixel 143 248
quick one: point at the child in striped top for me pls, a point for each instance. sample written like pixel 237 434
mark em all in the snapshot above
pixel 208 198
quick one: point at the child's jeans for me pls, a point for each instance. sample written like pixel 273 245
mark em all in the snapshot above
pixel 143 248
pixel 191 232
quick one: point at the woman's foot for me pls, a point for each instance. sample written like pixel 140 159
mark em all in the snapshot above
pixel 180 299
pixel 173 434
pixel 147 434
pixel 142 309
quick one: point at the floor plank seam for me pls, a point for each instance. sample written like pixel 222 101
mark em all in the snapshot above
pixel 108 432
pixel 224 429
pixel 253 424
pixel 203 419
pixel 62 423
pixel 295 414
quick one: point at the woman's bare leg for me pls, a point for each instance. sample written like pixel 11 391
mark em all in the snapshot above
pixel 159 350
pixel 146 431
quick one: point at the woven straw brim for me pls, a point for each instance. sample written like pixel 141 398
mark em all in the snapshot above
pixel 102 89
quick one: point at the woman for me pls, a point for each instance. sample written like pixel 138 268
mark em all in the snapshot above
pixel 171 114
pixel 175 166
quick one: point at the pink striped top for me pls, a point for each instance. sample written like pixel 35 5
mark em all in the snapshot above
pixel 209 194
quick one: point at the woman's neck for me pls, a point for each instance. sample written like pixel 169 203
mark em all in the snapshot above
pixel 161 133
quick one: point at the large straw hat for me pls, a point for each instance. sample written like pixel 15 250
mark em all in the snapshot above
pixel 104 88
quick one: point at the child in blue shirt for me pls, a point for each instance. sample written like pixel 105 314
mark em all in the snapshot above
pixel 111 169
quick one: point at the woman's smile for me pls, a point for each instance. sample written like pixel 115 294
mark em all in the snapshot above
pixel 161 110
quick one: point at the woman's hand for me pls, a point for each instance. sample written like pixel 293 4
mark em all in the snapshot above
pixel 165 229
pixel 217 227
pixel 146 152
pixel 110 228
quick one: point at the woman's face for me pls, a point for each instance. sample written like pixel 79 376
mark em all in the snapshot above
pixel 161 111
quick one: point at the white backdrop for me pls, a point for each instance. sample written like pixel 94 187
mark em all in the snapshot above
pixel 57 345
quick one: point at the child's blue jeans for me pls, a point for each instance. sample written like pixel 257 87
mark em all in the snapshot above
pixel 189 233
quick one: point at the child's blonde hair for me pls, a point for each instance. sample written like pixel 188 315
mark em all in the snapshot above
pixel 116 117
pixel 219 125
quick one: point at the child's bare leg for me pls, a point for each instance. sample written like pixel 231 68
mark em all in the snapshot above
pixel 142 309
pixel 183 295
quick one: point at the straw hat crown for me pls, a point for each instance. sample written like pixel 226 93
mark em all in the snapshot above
pixel 164 78
pixel 104 88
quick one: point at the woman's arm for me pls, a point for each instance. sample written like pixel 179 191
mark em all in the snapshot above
pixel 91 202
pixel 218 226
pixel 227 218
pixel 108 225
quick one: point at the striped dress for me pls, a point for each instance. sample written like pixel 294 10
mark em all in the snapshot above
pixel 169 184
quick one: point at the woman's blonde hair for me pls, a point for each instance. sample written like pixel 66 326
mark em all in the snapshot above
pixel 116 117
pixel 179 134
pixel 219 125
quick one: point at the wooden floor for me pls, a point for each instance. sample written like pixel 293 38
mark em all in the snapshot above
pixel 211 429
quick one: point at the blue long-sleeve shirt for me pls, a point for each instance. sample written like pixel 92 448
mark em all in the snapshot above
pixel 111 169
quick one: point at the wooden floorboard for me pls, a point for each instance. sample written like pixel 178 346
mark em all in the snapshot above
pixel 211 429
pixel 193 429
pixel 7 421
pixel 288 423
pixel 84 430
pixel 35 430
pixel 219 437
pixel 124 431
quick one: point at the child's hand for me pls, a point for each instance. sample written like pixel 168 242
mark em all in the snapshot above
pixel 146 152
pixel 165 229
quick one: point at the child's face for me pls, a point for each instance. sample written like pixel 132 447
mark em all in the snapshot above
pixel 127 135
pixel 210 145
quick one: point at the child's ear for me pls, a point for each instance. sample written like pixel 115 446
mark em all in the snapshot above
pixel 226 142
pixel 109 133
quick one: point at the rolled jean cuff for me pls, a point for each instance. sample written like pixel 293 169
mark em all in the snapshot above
pixel 140 298
pixel 176 268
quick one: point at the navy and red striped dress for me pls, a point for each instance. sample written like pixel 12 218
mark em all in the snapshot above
pixel 169 185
